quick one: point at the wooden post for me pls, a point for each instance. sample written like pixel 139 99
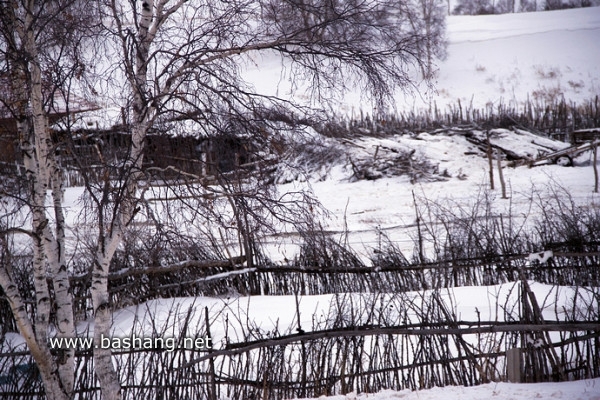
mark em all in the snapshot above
pixel 123 118
pixel 421 254
pixel 513 365
pixel 374 122
pixel 596 167
pixel 212 392
pixel 501 175
pixel 490 160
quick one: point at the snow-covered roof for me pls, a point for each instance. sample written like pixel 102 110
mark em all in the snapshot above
pixel 56 105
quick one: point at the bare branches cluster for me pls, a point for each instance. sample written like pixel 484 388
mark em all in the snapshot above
pixel 176 65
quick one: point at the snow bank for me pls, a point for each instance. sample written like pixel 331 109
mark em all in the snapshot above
pixel 581 390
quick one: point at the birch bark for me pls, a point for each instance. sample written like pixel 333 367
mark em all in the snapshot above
pixel 110 239
pixel 42 175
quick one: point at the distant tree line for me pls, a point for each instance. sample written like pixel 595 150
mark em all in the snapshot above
pixel 483 7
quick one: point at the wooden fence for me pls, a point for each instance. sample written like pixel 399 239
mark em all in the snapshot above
pixel 430 349
pixel 336 361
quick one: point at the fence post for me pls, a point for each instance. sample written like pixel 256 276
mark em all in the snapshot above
pixel 490 160
pixel 212 393
pixel 513 365
pixel 595 163
pixel 501 175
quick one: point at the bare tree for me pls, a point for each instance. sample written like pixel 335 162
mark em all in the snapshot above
pixel 474 7
pixel 430 23
pixel 185 59
pixel 39 39
pixel 178 60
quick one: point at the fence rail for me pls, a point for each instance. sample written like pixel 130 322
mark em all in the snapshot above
pixel 433 348
pixel 334 360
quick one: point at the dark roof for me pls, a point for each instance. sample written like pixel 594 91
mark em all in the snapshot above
pixel 56 109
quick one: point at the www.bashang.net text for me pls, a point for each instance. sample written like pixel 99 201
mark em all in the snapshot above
pixel 132 343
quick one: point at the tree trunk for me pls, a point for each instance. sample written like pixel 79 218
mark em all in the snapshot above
pixel 104 369
pixel 111 232
pixel 53 242
pixel 58 381
pixel 48 245
pixel 39 350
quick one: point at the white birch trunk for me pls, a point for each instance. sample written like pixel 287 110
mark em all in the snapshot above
pixel 53 242
pixel 48 248
pixel 104 369
pixel 36 339
pixel 109 240
pixel 39 350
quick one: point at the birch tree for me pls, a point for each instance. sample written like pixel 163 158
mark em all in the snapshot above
pixel 33 32
pixel 430 22
pixel 179 59
pixel 186 59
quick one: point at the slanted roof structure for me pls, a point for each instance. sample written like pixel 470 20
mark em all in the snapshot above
pixel 58 106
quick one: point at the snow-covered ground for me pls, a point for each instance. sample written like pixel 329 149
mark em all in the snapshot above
pixel 492 59
pixel 580 390
pixel 388 204
pixel 236 319
pixel 249 318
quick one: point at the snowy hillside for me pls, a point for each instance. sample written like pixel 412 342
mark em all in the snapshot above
pixel 493 59
pixel 510 57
